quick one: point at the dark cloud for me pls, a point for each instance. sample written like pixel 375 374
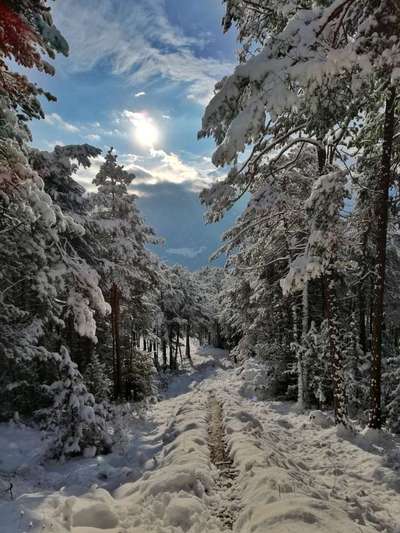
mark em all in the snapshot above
pixel 177 215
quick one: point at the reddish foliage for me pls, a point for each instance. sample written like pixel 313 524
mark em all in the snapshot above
pixel 17 39
pixel 20 41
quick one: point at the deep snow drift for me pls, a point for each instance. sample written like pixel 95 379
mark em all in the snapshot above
pixel 287 472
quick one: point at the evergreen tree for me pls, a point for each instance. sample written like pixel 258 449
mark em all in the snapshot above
pixel 125 266
pixel 79 424
pixel 96 378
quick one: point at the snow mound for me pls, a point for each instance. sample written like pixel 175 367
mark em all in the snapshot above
pixel 97 515
pixel 20 447
pixel 321 419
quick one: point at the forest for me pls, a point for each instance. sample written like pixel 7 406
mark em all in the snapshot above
pixel 97 331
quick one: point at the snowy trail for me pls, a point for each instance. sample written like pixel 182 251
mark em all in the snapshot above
pixel 211 460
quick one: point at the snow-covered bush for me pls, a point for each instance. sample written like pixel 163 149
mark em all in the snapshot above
pixel 392 389
pixel 278 360
pixel 255 379
pixel 357 366
pixel 78 422
pixel 316 353
pixel 266 374
pixel 320 419
pixel 139 376
pixel 96 379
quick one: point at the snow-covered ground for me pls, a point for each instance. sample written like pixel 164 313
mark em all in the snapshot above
pixel 287 472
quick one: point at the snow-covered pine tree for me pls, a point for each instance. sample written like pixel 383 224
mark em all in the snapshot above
pixel 126 267
pixel 77 421
pixel 97 379
pixel 34 265
pixel 57 169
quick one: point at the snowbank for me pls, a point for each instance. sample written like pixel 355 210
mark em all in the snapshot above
pixel 278 497
pixel 302 477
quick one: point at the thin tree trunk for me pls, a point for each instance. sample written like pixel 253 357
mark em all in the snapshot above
pixel 164 351
pixel 155 358
pixel 302 395
pixel 381 224
pixel 339 398
pixel 115 316
pixel 188 354
pixel 177 347
pixel 180 354
pixel 171 350
pixel 361 320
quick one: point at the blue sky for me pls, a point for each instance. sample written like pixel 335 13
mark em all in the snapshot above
pixel 137 78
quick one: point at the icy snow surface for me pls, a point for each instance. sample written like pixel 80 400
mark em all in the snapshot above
pixel 293 473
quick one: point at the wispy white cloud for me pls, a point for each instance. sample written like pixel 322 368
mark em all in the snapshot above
pixel 54 119
pixel 85 176
pixel 93 137
pixel 52 144
pixel 140 42
pixel 189 253
pixel 139 94
pixel 160 166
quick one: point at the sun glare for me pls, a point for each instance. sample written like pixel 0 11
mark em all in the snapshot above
pixel 146 132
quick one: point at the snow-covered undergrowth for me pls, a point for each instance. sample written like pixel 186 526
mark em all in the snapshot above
pixel 24 465
pixel 254 379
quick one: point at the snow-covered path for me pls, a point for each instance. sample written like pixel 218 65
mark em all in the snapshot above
pixel 275 471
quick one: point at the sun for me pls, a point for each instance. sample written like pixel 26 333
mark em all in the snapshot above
pixel 143 127
pixel 146 132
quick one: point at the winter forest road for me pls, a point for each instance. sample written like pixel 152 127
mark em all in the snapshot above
pixel 214 459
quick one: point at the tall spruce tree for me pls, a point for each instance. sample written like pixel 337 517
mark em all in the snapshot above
pixel 125 265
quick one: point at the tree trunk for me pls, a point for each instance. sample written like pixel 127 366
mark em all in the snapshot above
pixel 339 398
pixel 164 352
pixel 155 358
pixel 302 382
pixel 381 224
pixel 172 365
pixel 188 354
pixel 115 317
pixel 362 291
pixel 361 320
pixel 177 347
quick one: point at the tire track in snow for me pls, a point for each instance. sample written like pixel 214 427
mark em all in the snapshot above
pixel 227 503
